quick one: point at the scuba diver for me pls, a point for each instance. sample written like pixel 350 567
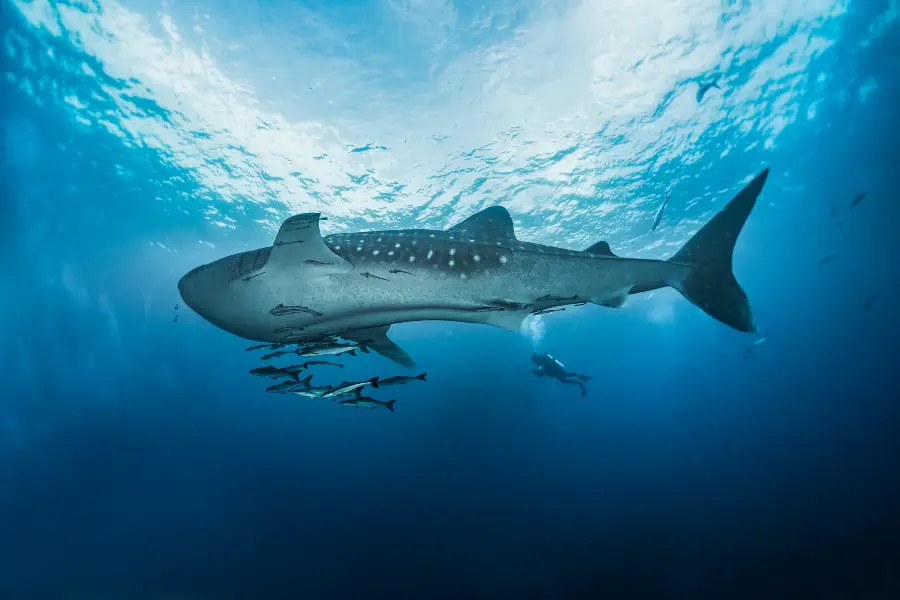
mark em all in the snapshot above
pixel 550 367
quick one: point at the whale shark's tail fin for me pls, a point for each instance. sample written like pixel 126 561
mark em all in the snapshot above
pixel 711 284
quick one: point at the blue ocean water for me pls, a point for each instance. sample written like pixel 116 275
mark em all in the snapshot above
pixel 139 460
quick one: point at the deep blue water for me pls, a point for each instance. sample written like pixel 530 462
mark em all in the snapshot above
pixel 141 139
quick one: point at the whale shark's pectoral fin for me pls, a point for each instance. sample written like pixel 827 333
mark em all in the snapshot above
pixel 376 339
pixel 615 299
pixel 299 245
pixel 510 320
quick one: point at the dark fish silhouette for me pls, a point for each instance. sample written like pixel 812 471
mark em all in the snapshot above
pixel 277 373
pixel 310 363
pixel 400 380
pixel 175 320
pixel 260 347
pixel 550 298
pixel 281 310
pixel 282 388
pixel 350 387
pixel 826 259
pixel 705 87
pixel 279 353
pixel 755 344
pixel 368 275
pixel 659 213
pixel 857 199
pixel 363 402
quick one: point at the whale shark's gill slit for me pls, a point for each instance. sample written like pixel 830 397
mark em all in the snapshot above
pixel 254 276
pixel 288 243
pixel 282 310
pixel 317 262
pixel 551 298
pixel 395 271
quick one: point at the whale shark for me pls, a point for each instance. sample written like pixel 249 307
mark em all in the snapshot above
pixel 357 285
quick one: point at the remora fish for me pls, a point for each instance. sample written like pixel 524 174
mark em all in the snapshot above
pixel 278 353
pixel 400 380
pixel 659 212
pixel 331 350
pixel 282 388
pixel 475 263
pixel 277 373
pixel 363 402
pixel 310 363
pixel 306 388
pixel 349 387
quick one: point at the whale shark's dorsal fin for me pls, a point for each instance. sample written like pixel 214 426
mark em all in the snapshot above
pixel 493 222
pixel 376 338
pixel 299 245
pixel 600 248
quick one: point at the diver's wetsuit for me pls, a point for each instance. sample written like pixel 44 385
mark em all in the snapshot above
pixel 549 366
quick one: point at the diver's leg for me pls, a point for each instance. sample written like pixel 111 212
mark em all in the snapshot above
pixel 578 375
pixel 576 382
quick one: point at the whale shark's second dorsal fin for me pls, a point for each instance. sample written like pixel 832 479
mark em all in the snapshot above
pixel 493 222
pixel 299 245
pixel 601 249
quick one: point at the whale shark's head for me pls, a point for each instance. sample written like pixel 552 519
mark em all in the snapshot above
pixel 210 291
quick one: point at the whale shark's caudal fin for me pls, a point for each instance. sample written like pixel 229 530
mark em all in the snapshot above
pixel 711 285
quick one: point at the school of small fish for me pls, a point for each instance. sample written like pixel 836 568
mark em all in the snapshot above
pixel 346 393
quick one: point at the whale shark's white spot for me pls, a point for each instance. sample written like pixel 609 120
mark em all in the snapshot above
pixel 451 263
pixel 476 258
pixel 463 276
pixel 499 243
pixel 429 255
pixel 379 239
pixel 396 245
pixel 391 253
pixel 414 242
pixel 375 253
pixel 452 251
pixel 412 259
pixel 432 235
pixel 471 241
pixel 503 260
pixel 337 247
pixel 359 248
